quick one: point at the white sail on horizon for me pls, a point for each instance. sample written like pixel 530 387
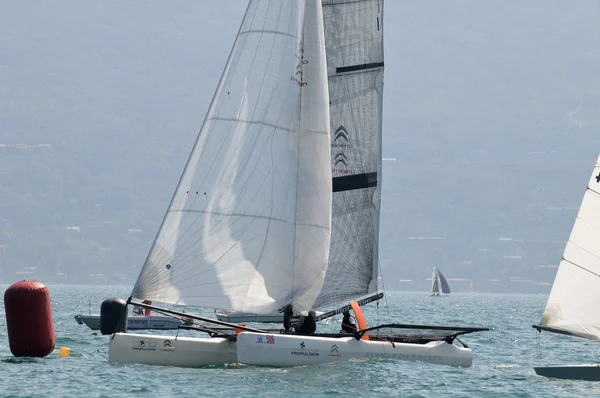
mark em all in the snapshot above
pixel 248 228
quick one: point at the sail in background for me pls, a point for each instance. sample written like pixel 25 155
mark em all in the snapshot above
pixel 439 284
pixel 354 43
pixel 574 302
pixel 248 227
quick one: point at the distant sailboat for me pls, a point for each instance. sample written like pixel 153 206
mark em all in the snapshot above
pixel 439 284
pixel 573 307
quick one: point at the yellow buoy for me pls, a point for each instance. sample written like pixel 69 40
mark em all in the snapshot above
pixel 64 352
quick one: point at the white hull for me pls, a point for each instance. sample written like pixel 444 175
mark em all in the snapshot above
pixel 293 350
pixel 157 322
pixel 186 352
pixel 273 350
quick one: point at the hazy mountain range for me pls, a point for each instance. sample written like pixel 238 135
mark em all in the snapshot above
pixel 492 113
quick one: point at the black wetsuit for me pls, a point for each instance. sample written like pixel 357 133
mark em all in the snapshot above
pixel 348 324
pixel 308 326
pixel 287 318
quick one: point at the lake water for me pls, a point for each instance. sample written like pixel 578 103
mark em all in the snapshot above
pixel 503 358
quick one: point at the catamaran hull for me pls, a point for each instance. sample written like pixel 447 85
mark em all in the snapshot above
pixel 188 352
pixel 289 350
pixel 590 372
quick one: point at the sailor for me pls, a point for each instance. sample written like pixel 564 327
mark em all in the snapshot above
pixel 308 324
pixel 348 323
pixel 288 312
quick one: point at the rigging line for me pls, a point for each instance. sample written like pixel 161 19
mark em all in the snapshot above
pixel 385 298
pixel 251 121
pixel 262 31
pixel 579 266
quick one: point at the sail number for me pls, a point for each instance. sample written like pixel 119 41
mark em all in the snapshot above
pixel 268 339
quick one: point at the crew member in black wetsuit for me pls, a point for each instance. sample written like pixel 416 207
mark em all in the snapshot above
pixel 288 312
pixel 308 325
pixel 348 323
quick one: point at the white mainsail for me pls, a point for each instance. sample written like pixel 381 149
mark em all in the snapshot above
pixel 574 303
pixel 248 227
pixel 354 43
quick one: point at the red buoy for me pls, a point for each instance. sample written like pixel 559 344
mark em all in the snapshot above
pixel 29 319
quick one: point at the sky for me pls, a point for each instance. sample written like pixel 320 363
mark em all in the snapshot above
pixel 490 112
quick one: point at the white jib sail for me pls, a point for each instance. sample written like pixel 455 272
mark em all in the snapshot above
pixel 248 227
pixel 574 302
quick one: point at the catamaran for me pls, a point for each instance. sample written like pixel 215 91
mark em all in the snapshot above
pixel 572 308
pixel 439 284
pixel 278 204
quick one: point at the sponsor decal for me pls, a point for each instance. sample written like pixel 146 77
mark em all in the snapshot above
pixel 305 353
pixel 144 345
pixel 340 143
pixel 334 352
pixel 167 346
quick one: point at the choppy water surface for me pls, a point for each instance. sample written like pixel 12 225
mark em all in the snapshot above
pixel 502 365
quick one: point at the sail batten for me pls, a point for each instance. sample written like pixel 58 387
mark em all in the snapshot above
pixel 573 306
pixel 354 42
pixel 248 228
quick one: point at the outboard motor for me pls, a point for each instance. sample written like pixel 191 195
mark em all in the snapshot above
pixel 113 316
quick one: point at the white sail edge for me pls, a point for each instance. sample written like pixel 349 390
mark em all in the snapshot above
pixel 573 305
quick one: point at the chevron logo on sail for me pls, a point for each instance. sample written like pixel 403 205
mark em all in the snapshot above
pixel 340 158
pixel 341 133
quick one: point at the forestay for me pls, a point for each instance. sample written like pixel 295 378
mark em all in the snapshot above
pixel 574 304
pixel 354 42
pixel 248 227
